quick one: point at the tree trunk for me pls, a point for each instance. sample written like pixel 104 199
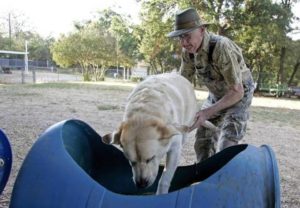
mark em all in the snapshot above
pixel 259 77
pixel 280 75
pixel 161 66
pixel 153 68
pixel 296 67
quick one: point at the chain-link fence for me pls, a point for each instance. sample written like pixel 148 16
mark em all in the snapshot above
pixel 37 75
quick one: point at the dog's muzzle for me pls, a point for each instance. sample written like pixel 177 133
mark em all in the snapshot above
pixel 142 183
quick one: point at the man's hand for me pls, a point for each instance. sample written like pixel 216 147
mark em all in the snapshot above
pixel 199 120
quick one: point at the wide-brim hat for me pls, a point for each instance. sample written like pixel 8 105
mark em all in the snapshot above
pixel 186 21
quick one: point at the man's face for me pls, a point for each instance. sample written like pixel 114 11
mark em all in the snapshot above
pixel 192 41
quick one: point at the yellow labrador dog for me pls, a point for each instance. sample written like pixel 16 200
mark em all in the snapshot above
pixel 157 117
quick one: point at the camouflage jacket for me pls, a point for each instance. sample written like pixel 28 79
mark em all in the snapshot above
pixel 226 68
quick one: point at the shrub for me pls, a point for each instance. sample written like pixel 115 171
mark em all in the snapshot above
pixel 136 79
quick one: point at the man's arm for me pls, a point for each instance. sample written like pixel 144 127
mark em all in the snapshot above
pixel 234 94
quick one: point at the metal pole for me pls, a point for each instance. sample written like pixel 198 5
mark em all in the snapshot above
pixel 26 58
pixel 9 30
pixel 117 59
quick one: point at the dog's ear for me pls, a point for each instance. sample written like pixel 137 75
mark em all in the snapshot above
pixel 107 139
pixel 113 138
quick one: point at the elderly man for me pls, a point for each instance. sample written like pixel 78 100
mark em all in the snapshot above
pixel 219 63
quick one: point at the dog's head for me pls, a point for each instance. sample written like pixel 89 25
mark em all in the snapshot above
pixel 144 144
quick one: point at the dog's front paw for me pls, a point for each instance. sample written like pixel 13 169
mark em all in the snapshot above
pixel 158 192
pixel 162 189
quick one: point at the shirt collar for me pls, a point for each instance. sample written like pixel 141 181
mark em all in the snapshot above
pixel 205 43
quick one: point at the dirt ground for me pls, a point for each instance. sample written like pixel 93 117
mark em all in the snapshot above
pixel 26 111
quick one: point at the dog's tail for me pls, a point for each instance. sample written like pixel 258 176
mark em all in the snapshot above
pixel 207 124
pixel 210 125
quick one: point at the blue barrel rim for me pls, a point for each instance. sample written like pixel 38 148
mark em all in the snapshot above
pixel 276 177
pixel 60 125
pixel 6 156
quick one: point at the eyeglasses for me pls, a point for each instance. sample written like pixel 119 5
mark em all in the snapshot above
pixel 187 37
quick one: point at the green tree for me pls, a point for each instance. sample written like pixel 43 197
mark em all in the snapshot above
pixel 157 49
pixel 88 47
pixel 64 50
pixel 263 36
pixel 125 49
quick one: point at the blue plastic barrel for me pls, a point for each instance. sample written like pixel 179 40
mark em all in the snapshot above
pixel 69 166
pixel 5 160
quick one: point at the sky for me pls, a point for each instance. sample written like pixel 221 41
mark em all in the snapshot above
pixel 52 17
pixel 296 11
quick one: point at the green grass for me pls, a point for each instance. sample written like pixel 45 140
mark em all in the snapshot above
pixel 17 90
pixel 76 86
pixel 281 116
pixel 278 116
pixel 25 94
pixel 107 107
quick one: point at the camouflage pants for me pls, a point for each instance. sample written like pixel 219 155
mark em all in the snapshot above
pixel 232 123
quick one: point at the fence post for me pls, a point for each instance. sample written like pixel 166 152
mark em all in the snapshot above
pixel 33 75
pixel 23 76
